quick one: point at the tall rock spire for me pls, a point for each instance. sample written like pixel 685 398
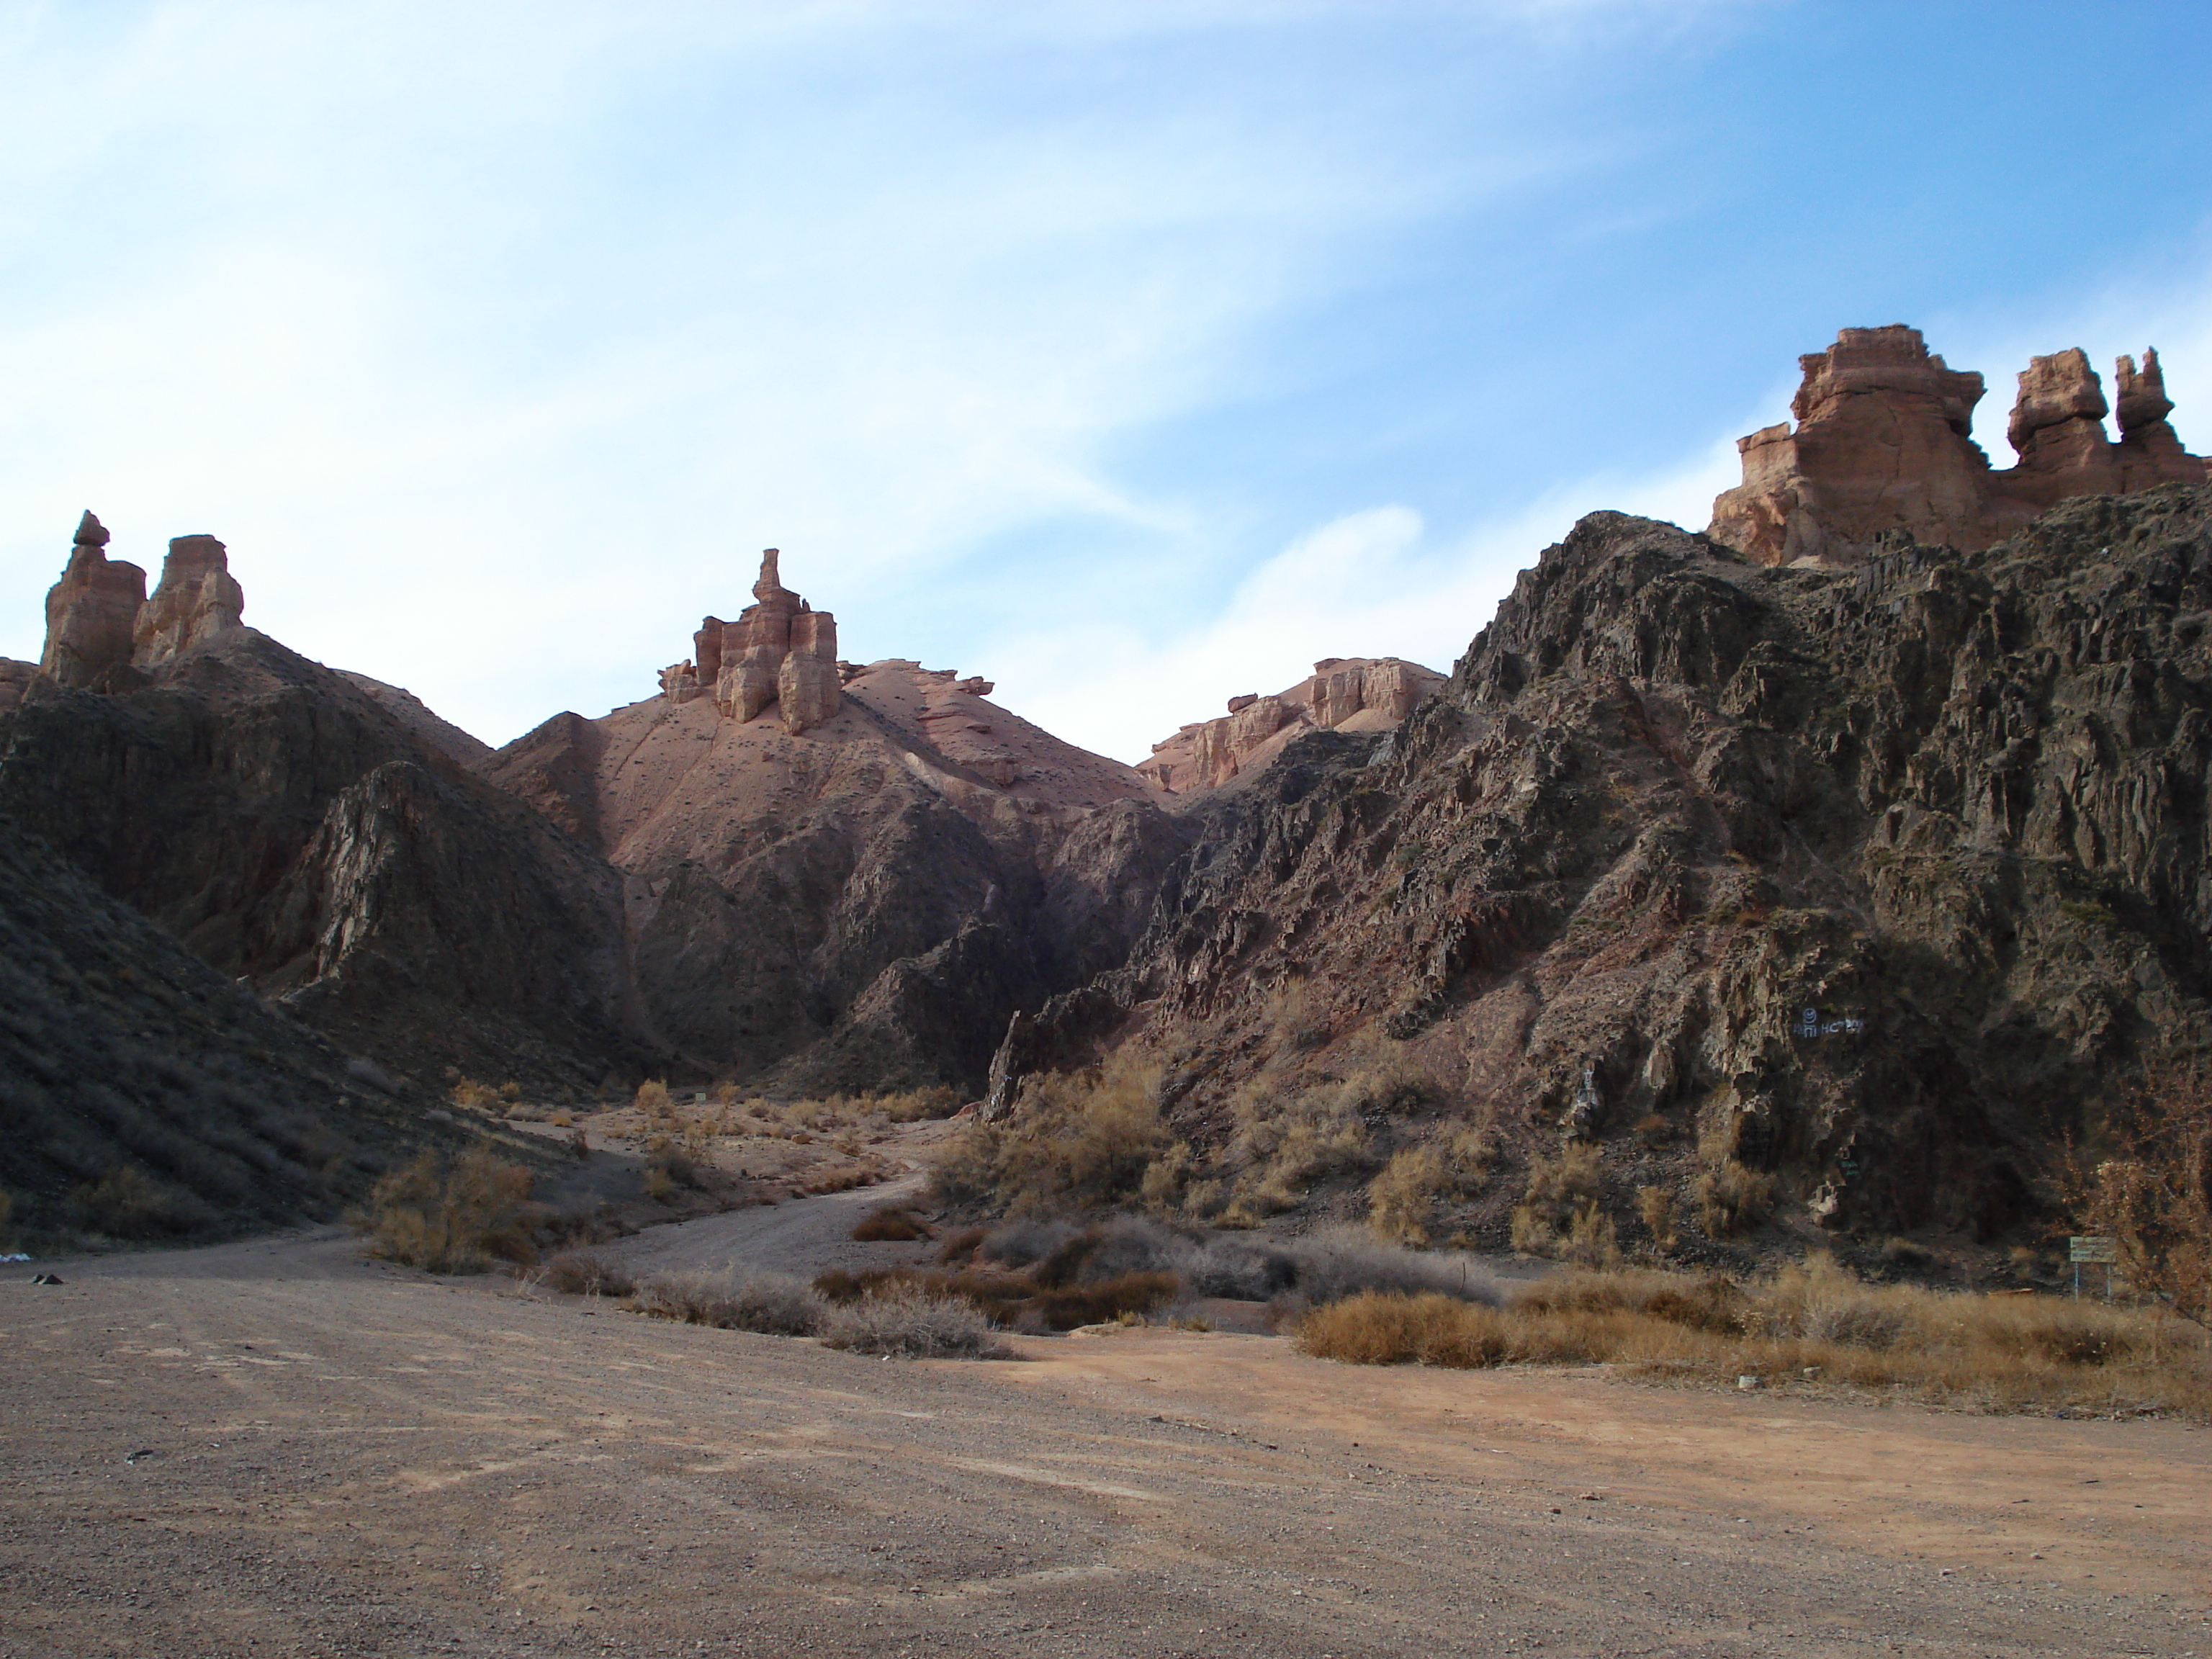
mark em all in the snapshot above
pixel 92 612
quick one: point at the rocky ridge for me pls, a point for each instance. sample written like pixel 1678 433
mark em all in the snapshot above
pixel 1883 444
pixel 1880 880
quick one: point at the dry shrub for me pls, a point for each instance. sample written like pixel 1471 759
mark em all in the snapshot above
pixel 128 1203
pixel 960 1246
pixel 1559 1214
pixel 510 1092
pixel 893 1223
pixel 1656 1204
pixel 773 1304
pixel 1015 1299
pixel 562 1120
pixel 651 1097
pixel 1733 1199
pixel 1079 1141
pixel 586 1273
pixel 659 1185
pixel 2148 1187
pixel 2005 1352
pixel 1401 1201
pixel 912 1323
pixel 1378 1328
pixel 471 1096
pixel 451 1220
pixel 1287 1143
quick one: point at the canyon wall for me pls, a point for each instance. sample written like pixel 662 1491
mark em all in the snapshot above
pixel 1357 693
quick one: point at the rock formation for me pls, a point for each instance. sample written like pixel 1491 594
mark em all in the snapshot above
pixel 1357 693
pixel 1883 446
pixel 197 603
pixel 99 619
pixel 779 651
pixel 1879 879
pixel 92 612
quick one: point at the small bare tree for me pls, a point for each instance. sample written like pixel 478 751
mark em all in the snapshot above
pixel 2148 1187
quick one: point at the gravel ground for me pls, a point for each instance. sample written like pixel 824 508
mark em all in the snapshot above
pixel 277 1449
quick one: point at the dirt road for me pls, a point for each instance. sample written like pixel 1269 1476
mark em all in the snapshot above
pixel 275 1448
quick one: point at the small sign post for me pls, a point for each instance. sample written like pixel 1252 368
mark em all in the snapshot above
pixel 2098 1250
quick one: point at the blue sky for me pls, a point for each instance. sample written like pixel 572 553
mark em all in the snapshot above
pixel 1133 354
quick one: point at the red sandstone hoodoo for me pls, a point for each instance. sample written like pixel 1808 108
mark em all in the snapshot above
pixel 1883 442
pixel 780 650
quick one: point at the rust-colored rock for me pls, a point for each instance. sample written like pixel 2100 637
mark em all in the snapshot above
pixel 198 603
pixel 92 612
pixel 1883 443
pixel 1357 693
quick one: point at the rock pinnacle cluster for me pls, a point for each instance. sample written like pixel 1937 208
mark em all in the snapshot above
pixel 780 650
pixel 1883 444
pixel 99 620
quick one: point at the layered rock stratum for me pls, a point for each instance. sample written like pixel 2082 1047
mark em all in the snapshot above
pixel 1883 446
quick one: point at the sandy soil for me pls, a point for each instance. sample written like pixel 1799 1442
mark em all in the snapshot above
pixel 276 1448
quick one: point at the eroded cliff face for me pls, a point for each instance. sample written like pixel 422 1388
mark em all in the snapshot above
pixel 1883 445
pixel 1880 879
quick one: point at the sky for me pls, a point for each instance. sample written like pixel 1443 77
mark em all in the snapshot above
pixel 1130 354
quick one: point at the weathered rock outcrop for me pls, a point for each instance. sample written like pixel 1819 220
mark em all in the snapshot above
pixel 92 612
pixel 1879 879
pixel 1356 694
pixel 198 603
pixel 1883 446
pixel 779 651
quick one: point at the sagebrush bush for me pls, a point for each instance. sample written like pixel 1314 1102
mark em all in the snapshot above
pixel 471 1096
pixel 912 1324
pixel 652 1096
pixel 773 1304
pixel 455 1218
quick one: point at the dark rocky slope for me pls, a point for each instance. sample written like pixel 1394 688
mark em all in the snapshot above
pixel 291 831
pixel 1953 805
pixel 144 1096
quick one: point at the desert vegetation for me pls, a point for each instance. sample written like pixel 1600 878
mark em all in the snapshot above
pixel 1813 1324
pixel 2147 1185
pixel 891 1317
pixel 469 1212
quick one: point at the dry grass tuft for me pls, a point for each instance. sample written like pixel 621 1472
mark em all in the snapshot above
pixel 451 1220
pixel 1559 1214
pixel 474 1097
pixel 1656 1204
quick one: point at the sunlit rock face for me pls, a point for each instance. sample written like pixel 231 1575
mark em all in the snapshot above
pixel 1883 446
pixel 1356 694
